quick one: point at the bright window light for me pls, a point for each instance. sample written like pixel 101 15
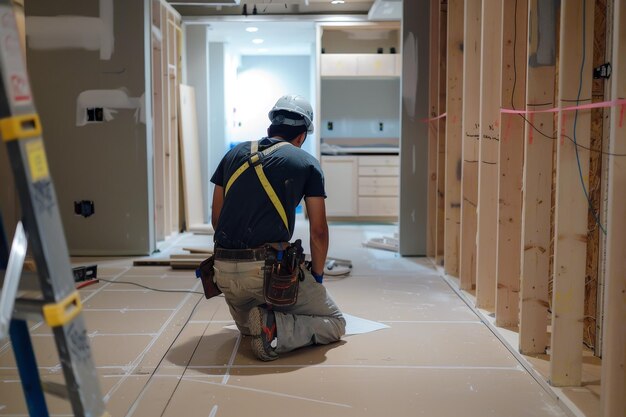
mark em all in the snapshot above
pixel 257 41
pixel 252 29
pixel 264 50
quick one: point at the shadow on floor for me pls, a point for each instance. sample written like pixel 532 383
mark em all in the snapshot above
pixel 217 350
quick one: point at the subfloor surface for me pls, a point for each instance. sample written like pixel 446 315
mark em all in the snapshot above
pixel 168 353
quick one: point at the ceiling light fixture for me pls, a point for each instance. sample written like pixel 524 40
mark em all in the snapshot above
pixel 252 29
pixel 337 2
pixel 257 41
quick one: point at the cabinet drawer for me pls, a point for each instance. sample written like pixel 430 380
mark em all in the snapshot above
pixel 365 190
pixel 385 161
pixel 379 181
pixel 378 171
pixel 378 206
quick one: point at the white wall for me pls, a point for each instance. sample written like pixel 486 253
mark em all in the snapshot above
pixel 260 81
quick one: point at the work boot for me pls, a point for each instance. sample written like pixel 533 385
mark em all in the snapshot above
pixel 262 325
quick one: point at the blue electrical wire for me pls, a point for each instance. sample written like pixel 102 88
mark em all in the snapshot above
pixel 580 87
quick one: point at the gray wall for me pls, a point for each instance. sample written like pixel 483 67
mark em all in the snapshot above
pixel 217 109
pixel 414 133
pixel 104 162
pixel 197 70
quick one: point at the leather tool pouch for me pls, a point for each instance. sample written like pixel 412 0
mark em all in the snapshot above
pixel 206 273
pixel 282 275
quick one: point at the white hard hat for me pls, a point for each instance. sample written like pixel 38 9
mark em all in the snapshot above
pixel 295 104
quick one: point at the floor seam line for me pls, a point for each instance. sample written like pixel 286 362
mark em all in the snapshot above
pixel 522 361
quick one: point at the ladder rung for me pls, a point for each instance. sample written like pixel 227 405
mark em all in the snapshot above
pixel 28 309
pixel 56 389
pixel 54 314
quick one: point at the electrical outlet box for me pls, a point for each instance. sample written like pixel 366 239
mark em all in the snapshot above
pixel 95 114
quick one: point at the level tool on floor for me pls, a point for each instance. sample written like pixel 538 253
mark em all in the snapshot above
pixel 57 302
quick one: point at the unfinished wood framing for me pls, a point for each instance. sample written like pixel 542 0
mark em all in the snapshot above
pixel 470 131
pixel 537 180
pixel 173 81
pixel 166 58
pixel 531 188
pixel 592 309
pixel 514 30
pixel 613 400
pixel 433 106
pixel 454 111
pixel 570 239
pixel 157 91
pixel 441 136
pixel 488 149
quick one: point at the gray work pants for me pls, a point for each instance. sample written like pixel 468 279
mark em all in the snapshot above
pixel 314 319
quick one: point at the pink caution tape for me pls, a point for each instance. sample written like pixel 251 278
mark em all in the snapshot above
pixel 427 120
pixel 611 103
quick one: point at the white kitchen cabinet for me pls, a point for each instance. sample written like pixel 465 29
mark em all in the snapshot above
pixel 379 180
pixel 360 65
pixel 340 180
pixel 337 65
pixel 366 186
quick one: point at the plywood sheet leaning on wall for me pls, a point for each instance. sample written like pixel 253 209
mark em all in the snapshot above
pixel 570 234
pixel 190 152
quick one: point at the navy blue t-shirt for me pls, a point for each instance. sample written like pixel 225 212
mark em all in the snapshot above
pixel 248 218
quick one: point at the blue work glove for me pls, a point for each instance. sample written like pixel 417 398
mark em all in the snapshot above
pixel 319 278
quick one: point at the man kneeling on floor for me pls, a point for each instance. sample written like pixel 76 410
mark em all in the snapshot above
pixel 258 186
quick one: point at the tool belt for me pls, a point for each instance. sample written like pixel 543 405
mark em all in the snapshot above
pixel 282 274
pixel 282 271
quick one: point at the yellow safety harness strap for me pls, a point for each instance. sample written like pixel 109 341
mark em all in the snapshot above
pixel 258 168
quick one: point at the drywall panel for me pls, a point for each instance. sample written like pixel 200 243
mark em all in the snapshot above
pixel 414 132
pixel 105 162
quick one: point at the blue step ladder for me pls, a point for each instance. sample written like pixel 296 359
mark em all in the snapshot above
pixel 57 302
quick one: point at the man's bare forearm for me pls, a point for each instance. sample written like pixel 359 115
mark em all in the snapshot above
pixel 319 250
